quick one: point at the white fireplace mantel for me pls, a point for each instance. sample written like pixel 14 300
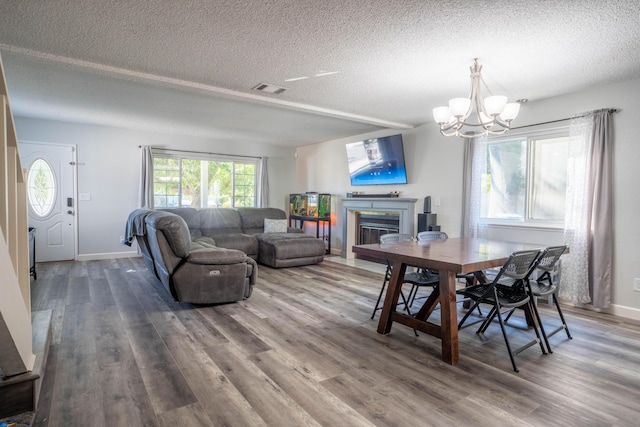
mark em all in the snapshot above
pixel 351 206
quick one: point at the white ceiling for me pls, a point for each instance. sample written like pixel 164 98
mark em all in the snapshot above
pixel 187 67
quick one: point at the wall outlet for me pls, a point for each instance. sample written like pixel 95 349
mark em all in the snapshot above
pixel 636 284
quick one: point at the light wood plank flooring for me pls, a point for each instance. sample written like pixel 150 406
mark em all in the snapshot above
pixel 302 351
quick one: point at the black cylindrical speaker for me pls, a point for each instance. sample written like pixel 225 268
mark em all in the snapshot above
pixel 427 204
pixel 427 222
pixel 432 220
pixel 422 222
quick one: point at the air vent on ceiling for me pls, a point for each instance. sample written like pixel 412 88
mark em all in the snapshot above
pixel 265 87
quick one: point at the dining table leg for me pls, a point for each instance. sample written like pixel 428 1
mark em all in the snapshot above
pixel 449 317
pixel 391 298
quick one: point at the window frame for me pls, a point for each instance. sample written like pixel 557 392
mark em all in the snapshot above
pixel 210 157
pixel 529 137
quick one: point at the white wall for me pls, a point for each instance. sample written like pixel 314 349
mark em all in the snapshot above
pixel 108 168
pixel 434 165
pixel 434 168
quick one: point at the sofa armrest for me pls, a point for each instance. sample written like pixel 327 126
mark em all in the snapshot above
pixel 216 256
pixel 294 230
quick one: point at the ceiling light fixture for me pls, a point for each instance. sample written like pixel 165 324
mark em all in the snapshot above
pixel 269 88
pixel 475 116
pixel 295 79
pixel 322 73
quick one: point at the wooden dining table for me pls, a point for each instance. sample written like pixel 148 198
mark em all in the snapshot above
pixel 449 257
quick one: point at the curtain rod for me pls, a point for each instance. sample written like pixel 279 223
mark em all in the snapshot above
pixel 204 152
pixel 611 110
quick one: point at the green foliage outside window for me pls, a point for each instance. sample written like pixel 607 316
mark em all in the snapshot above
pixel 244 184
pixel 507 168
pixel 525 179
pixel 203 183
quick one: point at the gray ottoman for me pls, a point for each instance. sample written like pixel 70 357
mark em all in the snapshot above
pixel 279 250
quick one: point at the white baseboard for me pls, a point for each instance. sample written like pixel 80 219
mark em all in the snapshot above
pixel 108 255
pixel 614 309
pixel 624 311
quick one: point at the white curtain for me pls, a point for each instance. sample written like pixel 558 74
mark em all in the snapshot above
pixel 145 191
pixel 586 270
pixel 475 165
pixel 263 190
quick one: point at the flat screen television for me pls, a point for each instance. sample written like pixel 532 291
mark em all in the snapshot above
pixel 377 161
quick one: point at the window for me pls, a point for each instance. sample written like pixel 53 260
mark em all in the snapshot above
pixel 203 181
pixel 525 178
pixel 244 188
pixel 41 187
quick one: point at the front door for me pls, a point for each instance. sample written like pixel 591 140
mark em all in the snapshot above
pixel 50 196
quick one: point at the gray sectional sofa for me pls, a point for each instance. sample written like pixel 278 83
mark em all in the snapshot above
pixel 243 229
pixel 209 255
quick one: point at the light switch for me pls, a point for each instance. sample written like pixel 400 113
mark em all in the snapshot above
pixel 85 196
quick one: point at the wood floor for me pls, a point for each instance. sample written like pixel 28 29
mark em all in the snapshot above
pixel 302 351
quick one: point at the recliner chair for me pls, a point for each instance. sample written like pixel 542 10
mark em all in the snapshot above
pixel 196 271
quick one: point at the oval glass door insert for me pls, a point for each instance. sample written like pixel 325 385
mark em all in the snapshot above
pixel 41 187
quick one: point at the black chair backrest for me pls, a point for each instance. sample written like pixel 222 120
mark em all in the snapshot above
pixel 550 257
pixel 519 265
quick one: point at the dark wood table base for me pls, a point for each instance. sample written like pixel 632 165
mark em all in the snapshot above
pixel 448 335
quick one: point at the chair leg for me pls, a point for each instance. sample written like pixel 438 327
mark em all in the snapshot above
pixel 506 340
pixel 496 311
pixel 404 301
pixel 506 319
pixel 492 314
pixel 527 309
pixel 476 305
pixel 384 285
pixel 538 319
pixel 465 302
pixel 406 307
pixel 564 322
pixel 412 294
pixel 377 307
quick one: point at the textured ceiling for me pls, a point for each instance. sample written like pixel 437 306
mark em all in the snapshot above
pixel 187 67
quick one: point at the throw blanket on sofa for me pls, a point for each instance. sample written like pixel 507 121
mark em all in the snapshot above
pixel 135 225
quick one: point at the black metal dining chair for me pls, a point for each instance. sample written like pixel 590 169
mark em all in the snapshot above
pixel 507 291
pixel 428 277
pixel 543 286
pixel 415 278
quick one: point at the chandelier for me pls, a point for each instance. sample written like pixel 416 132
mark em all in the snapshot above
pixel 473 116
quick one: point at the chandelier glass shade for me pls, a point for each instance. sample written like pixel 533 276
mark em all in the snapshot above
pixel 475 116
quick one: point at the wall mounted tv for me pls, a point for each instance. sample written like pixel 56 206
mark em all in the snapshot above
pixel 377 161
